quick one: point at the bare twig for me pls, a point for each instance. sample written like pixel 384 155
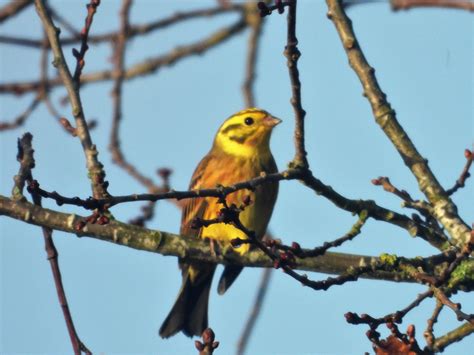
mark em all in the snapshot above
pixel 456 307
pixel 135 30
pixel 22 117
pixel 464 173
pixel 396 317
pixel 256 24
pixel 80 62
pixel 292 55
pixel 428 334
pixel 13 8
pixel 449 4
pixel 95 168
pixel 443 208
pixel 119 74
pixel 27 163
pixel 145 67
pixel 254 312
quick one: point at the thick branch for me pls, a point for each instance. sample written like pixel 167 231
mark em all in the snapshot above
pixel 444 209
pixel 182 246
pixel 353 206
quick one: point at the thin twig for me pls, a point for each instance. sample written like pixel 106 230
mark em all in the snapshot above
pixel 292 55
pixel 13 8
pixel 469 155
pixel 145 67
pixel 396 317
pixel 254 312
pixel 256 23
pixel 119 74
pixel 27 163
pixel 80 62
pixel 456 307
pixel 428 334
pixel 135 30
pixel 449 4
pixel 95 168
pixel 22 117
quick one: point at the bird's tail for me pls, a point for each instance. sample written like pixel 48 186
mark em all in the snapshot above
pixel 189 313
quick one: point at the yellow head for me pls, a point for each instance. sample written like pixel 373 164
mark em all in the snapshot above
pixel 246 133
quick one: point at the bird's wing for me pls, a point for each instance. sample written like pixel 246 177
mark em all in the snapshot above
pixel 195 207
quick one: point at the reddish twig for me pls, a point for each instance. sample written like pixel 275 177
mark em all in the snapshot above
pixel 396 317
pixel 79 55
pixel 449 4
pixel 428 333
pixel 255 311
pixel 464 174
pixel 387 186
pixel 26 159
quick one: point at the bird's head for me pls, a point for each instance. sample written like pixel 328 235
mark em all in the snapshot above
pixel 246 133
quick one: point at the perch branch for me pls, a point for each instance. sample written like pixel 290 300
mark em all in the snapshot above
pixel 189 247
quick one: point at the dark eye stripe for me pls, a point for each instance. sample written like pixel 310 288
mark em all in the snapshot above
pixel 230 127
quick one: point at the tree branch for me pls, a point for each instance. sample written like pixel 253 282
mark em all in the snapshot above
pixel 95 168
pixel 443 208
pixel 13 8
pixel 145 67
pixel 453 336
pixel 189 247
pixel 453 4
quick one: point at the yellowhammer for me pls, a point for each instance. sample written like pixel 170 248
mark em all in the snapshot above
pixel 240 152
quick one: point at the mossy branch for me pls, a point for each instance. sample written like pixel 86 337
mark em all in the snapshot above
pixel 186 247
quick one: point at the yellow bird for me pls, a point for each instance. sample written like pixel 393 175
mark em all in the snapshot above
pixel 241 151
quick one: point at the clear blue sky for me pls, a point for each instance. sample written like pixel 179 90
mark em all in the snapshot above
pixel 119 296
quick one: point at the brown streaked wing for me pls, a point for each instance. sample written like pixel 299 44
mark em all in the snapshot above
pixel 195 207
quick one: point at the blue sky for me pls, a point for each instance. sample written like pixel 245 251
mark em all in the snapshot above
pixel 119 296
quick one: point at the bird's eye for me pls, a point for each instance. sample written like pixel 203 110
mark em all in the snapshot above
pixel 248 121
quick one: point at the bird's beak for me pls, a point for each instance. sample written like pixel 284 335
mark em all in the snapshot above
pixel 271 121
